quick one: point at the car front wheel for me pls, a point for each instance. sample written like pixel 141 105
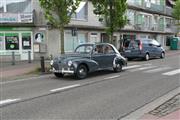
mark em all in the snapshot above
pixel 118 67
pixel 162 55
pixel 147 57
pixel 81 72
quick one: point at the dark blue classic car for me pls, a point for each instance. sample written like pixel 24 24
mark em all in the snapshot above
pixel 88 58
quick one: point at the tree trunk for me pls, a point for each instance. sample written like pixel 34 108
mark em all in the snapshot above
pixel 62 39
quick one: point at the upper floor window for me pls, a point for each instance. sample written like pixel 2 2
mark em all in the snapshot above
pixel 81 12
pixel 15 6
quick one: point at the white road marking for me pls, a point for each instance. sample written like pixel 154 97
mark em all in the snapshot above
pixel 65 88
pixel 172 72
pixel 116 76
pixel 142 68
pixel 26 79
pixel 157 70
pixel 8 101
pixel 133 66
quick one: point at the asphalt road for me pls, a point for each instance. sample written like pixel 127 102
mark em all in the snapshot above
pixel 103 95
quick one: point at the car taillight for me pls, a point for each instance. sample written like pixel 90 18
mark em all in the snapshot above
pixel 140 45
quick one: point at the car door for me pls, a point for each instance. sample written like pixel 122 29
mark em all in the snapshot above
pixel 98 55
pixel 109 55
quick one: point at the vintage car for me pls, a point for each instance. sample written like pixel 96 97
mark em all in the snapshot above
pixel 88 58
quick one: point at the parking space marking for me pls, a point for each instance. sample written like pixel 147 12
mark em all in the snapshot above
pixel 116 76
pixel 142 68
pixel 65 88
pixel 170 73
pixel 9 101
pixel 130 67
pixel 157 70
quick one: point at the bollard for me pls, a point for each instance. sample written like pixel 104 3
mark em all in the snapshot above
pixel 42 64
pixel 13 58
pixel 29 56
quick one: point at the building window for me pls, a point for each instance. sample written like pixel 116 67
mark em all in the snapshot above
pixel 130 17
pixel 81 12
pixel 12 41
pixel 16 6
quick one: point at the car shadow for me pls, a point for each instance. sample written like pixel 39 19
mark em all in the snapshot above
pixel 89 76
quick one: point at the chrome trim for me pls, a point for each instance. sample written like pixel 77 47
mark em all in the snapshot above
pixel 62 71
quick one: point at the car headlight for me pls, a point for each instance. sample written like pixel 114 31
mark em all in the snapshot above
pixel 69 63
pixel 51 62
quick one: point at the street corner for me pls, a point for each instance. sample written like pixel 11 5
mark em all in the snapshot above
pixel 169 110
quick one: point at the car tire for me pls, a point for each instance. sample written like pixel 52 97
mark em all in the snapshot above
pixel 162 55
pixel 118 67
pixel 81 72
pixel 59 75
pixel 147 57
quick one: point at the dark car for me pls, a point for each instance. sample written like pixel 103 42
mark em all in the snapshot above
pixel 145 48
pixel 88 58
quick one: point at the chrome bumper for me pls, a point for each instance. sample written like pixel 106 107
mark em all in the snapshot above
pixel 68 71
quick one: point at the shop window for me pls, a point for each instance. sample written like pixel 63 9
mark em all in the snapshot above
pixel 26 41
pixel 12 41
pixel 2 43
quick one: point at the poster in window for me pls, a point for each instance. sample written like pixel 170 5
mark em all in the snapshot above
pixel 1 41
pixel 26 41
pixel 39 37
pixel 12 42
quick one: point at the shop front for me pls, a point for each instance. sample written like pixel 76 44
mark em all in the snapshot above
pixel 18 41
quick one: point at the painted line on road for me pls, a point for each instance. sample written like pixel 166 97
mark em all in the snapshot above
pixel 174 72
pixel 116 76
pixel 142 68
pixel 26 79
pixel 133 66
pixel 65 88
pixel 9 101
pixel 157 70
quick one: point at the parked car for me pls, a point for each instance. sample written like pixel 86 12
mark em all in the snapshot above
pixel 145 48
pixel 88 58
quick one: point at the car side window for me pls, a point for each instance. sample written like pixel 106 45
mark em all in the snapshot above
pixel 133 44
pixel 98 49
pixel 108 49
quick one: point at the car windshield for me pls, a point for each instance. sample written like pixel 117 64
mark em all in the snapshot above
pixel 84 49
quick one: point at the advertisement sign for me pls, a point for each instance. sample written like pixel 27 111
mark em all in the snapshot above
pixel 16 17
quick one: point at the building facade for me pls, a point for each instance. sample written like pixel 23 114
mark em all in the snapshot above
pixel 23 27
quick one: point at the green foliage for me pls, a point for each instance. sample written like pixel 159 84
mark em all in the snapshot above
pixel 58 13
pixel 176 10
pixel 112 13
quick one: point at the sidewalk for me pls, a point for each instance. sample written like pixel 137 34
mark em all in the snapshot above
pixel 19 70
pixel 170 110
pixel 166 107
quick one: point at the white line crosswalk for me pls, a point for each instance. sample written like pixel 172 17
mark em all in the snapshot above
pixel 149 68
pixel 174 72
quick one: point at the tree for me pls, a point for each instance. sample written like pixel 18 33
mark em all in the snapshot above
pixel 58 13
pixel 176 11
pixel 112 13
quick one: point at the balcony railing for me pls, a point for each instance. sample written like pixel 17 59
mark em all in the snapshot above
pixel 154 27
pixel 154 7
pixel 169 11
